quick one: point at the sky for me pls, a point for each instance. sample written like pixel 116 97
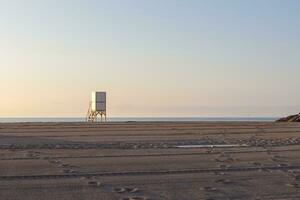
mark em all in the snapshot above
pixel 154 58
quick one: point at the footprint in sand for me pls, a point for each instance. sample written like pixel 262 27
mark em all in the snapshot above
pixel 207 188
pixel 219 173
pixel 296 177
pixel 224 167
pixel 227 159
pixel 282 165
pixel 69 171
pixel 257 164
pixel 135 198
pixel 66 168
pixel 126 189
pixel 120 190
pixel 295 185
pixel 94 183
pixel 224 181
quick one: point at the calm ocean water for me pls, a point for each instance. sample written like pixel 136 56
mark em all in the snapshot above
pixel 142 119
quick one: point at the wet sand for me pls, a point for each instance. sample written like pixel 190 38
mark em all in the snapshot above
pixel 150 160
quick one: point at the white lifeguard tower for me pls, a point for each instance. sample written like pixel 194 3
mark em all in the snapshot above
pixel 97 107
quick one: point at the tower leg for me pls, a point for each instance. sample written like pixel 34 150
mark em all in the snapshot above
pixel 93 116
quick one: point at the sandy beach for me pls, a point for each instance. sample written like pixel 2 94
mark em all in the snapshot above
pixel 150 160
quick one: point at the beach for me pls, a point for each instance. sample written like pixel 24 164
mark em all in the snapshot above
pixel 149 160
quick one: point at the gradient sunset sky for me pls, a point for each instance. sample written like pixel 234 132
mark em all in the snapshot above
pixel 153 57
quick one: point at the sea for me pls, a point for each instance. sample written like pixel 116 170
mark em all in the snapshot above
pixel 145 119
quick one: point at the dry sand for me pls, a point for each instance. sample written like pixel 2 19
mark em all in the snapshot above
pixel 141 160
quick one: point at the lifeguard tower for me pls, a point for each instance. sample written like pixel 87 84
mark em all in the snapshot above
pixel 97 107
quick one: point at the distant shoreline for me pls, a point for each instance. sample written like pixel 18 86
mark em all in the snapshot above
pixel 145 119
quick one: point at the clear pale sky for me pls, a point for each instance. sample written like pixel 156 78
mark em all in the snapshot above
pixel 153 57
